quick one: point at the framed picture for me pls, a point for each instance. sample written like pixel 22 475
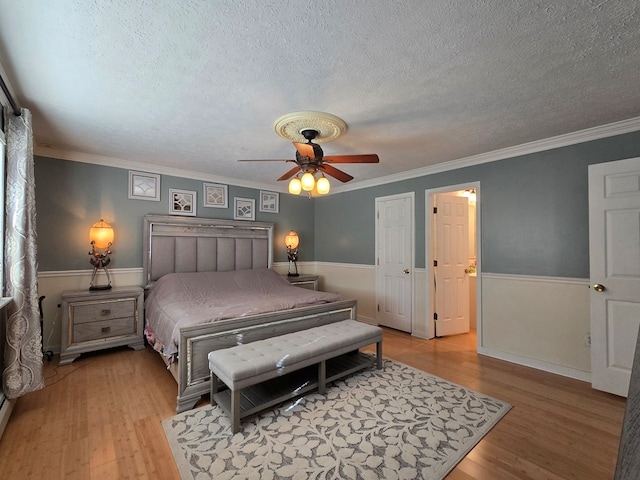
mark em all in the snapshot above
pixel 244 208
pixel 215 195
pixel 269 201
pixel 144 186
pixel 182 202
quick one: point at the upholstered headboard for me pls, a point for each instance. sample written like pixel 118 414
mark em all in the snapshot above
pixel 190 244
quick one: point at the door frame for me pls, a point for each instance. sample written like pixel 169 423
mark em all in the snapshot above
pixel 411 196
pixel 429 196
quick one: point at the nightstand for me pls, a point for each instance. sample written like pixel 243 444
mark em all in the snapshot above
pixel 304 281
pixel 98 319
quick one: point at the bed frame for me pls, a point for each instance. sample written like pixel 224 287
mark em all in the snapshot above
pixel 190 244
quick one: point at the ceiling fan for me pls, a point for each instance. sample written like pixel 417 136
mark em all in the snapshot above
pixel 310 159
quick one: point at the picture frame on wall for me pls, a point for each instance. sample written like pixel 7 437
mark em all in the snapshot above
pixel 182 202
pixel 269 201
pixel 244 208
pixel 215 195
pixel 144 186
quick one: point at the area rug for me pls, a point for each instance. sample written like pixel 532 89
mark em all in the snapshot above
pixel 398 422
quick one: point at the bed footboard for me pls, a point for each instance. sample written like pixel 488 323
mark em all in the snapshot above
pixel 197 341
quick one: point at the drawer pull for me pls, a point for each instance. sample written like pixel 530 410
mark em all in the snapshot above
pixel 105 312
pixel 106 329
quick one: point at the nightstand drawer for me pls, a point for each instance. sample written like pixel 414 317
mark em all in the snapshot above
pixel 96 312
pixel 100 319
pixel 105 329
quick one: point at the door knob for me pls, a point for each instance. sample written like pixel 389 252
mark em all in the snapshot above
pixel 599 288
pixel 406 270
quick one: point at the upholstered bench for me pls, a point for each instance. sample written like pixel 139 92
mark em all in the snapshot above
pixel 267 372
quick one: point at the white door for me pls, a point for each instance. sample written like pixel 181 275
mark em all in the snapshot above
pixel 451 260
pixel 614 259
pixel 394 261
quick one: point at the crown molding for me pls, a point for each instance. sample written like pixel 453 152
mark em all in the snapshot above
pixel 581 136
pixel 45 151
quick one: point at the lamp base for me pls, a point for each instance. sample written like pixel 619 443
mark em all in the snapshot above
pixel 100 287
pixel 293 274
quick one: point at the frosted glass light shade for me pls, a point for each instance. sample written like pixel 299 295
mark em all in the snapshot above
pixel 291 240
pixel 308 181
pixel 323 186
pixel 295 187
pixel 101 234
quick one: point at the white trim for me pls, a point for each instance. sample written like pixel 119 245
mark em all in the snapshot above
pixel 537 364
pixel 5 412
pixel 581 136
pixel 87 273
pixel 537 278
pixel 51 152
pixel 345 265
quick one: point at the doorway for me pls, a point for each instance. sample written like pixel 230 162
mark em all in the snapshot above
pixel 464 279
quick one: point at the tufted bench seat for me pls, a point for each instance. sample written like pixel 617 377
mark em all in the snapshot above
pixel 333 348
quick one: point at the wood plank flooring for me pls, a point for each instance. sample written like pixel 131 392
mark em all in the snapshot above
pixel 99 418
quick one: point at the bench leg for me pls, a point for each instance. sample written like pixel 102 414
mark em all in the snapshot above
pixel 214 389
pixel 235 411
pixel 379 355
pixel 322 377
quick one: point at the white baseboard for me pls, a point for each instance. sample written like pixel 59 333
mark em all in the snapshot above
pixel 5 413
pixel 537 364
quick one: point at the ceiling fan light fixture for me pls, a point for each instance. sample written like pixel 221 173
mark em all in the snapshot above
pixel 308 181
pixel 323 186
pixel 295 186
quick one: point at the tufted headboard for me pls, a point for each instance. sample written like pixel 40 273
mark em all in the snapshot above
pixel 191 244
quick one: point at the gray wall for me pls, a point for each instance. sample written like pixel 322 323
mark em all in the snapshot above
pixel 72 196
pixel 534 211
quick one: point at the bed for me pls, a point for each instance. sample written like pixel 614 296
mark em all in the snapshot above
pixel 193 252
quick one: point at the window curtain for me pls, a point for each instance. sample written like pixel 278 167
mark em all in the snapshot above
pixel 23 368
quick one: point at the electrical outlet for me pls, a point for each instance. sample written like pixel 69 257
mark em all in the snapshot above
pixel 587 339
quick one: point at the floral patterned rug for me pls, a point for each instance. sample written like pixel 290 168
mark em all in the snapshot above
pixel 395 423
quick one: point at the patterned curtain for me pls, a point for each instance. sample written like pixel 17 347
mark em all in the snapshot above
pixel 23 350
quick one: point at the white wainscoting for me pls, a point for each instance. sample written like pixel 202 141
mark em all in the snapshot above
pixel 540 322
pixel 359 282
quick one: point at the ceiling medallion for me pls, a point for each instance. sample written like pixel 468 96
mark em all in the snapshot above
pixel 290 126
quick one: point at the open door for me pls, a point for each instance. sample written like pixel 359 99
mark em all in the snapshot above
pixel 614 259
pixel 451 261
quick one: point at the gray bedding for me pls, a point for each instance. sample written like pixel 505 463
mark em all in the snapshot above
pixel 183 299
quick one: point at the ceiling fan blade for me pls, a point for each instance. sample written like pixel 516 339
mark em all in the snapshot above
pixel 289 174
pixel 369 158
pixel 335 173
pixel 305 149
pixel 267 160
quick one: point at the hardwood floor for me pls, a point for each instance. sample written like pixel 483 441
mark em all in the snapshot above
pixel 99 418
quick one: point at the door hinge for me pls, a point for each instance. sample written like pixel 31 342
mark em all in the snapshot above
pixel 435 210
pixel 435 263
pixel 435 316
pixel 378 307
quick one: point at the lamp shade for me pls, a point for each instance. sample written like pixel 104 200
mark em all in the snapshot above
pixel 308 181
pixel 101 234
pixel 295 187
pixel 291 240
pixel 323 186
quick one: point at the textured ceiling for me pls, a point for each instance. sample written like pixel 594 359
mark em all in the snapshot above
pixel 197 85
